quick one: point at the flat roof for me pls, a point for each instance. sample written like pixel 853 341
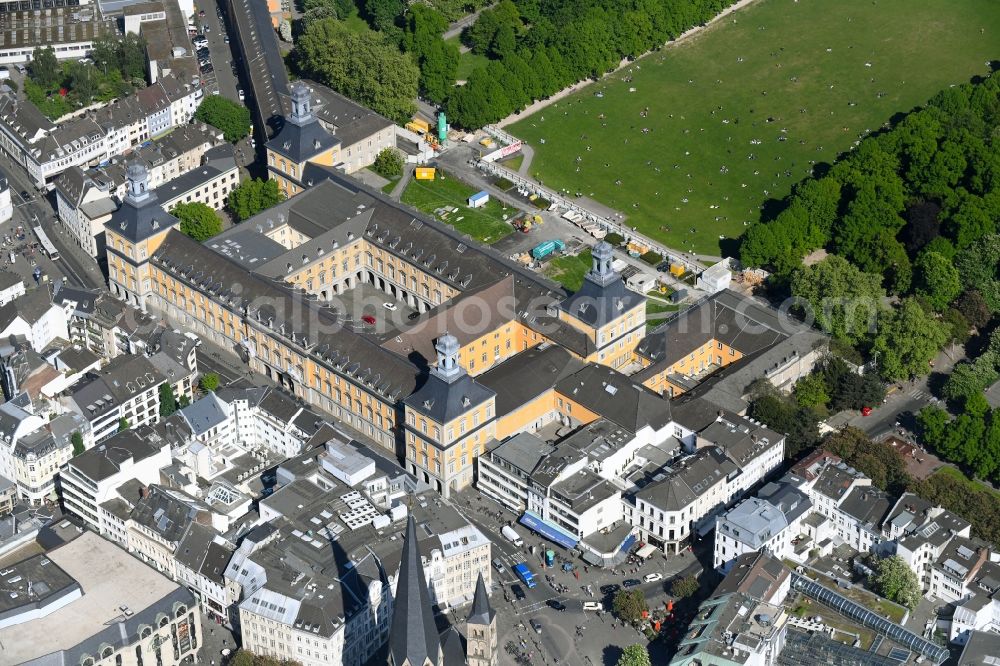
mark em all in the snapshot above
pixel 110 578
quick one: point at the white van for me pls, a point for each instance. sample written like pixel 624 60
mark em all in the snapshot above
pixel 512 536
pixel 593 606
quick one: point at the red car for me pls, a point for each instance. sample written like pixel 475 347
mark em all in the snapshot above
pixel 865 411
pixel 370 320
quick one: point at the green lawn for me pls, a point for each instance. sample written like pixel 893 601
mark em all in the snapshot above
pixel 514 163
pixel 485 224
pixel 356 24
pixel 569 270
pixel 657 311
pixel 388 187
pixel 804 78
pixel 467 61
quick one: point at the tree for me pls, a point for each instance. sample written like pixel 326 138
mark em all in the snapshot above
pixel 843 299
pixel 847 388
pixel 937 280
pixel 634 655
pixel 44 67
pixel 894 580
pixel 629 605
pixel 685 587
pixel 974 308
pixel 811 391
pixel 252 196
pixel 388 163
pixel 285 30
pixel 209 382
pixel 367 67
pixel 123 424
pixel 800 424
pixel 978 268
pixel 879 461
pixel 907 341
pixel 226 115
pixel 77 440
pixel 198 220
pixel 168 401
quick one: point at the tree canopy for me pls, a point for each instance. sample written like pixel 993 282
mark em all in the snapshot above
pixel 76 439
pixel 209 382
pixel 367 67
pixel 232 119
pixel 388 163
pixel 634 655
pixel 879 461
pixel 629 605
pixel 198 220
pixel 843 299
pixel 908 338
pixel 252 196
pixel 685 587
pixel 896 581
pixel 168 401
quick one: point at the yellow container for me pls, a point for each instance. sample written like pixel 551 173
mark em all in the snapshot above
pixel 676 270
pixel 425 173
pixel 486 141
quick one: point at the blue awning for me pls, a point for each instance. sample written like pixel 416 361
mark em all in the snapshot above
pixel 553 533
pixel 628 543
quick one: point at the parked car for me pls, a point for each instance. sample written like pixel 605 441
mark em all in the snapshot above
pixel 368 319
pixel 610 589
pixel 497 564
pixel 556 604
pixel 653 577
pixel 391 307
pixel 593 606
pixel 630 582
pixel 536 625
pixel 241 94
pixel 202 13
pixel 413 315
pixel 517 590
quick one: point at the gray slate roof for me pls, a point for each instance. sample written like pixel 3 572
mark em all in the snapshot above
pixel 413 636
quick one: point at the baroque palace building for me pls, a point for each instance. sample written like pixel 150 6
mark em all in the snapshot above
pixel 294 290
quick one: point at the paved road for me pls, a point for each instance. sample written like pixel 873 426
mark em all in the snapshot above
pixel 901 403
pixel 221 53
pixel 74 264
pixel 456 28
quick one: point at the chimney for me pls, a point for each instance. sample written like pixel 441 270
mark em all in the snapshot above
pixel 143 492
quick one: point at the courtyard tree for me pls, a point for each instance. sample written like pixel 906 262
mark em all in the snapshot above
pixel 388 163
pixel 232 119
pixel 209 382
pixel 252 196
pixel 937 279
pixel 168 401
pixel 198 220
pixel 843 299
pixel 45 68
pixel 895 580
pixel 76 439
pixel 123 424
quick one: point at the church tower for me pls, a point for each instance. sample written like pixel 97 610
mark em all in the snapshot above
pixel 481 629
pixel 413 636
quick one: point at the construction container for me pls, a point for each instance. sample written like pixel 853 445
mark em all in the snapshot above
pixel 677 270
pixel 486 142
pixel 425 173
pixel 478 199
pixel 546 248
pixel 419 126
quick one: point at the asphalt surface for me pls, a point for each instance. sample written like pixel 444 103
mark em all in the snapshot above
pixel 75 265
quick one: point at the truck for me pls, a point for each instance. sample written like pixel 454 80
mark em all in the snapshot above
pixel 512 536
pixel 546 248
pixel 524 573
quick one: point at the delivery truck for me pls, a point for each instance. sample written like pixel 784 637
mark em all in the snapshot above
pixel 524 573
pixel 512 536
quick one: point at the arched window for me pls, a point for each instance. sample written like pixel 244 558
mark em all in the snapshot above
pixel 107 652
pixel 145 631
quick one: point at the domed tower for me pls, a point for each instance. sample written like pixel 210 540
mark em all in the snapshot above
pixel 612 316
pixel 302 140
pixel 132 236
pixel 449 413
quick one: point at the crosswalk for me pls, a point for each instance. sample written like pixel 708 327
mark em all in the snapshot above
pixel 918 394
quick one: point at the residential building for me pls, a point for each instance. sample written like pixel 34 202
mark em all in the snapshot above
pixel 90 482
pixel 207 184
pixel 921 532
pixel 6 204
pixel 85 601
pixel 126 389
pixel 34 316
pixel 956 568
pixel 743 622
pixel 768 522
pixel 83 207
pixel 11 286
